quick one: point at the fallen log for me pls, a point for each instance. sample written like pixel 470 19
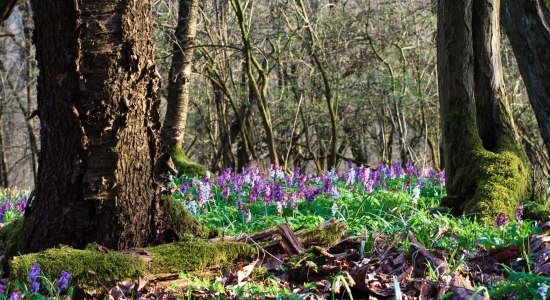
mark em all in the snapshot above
pixel 94 267
pixel 281 239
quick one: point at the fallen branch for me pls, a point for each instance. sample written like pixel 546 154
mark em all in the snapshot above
pixel 281 239
pixel 540 248
pixel 459 285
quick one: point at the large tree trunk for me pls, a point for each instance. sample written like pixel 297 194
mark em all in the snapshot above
pixel 527 24
pixel 99 119
pixel 173 129
pixel 485 164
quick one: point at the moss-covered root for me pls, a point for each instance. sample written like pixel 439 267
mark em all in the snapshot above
pixel 10 236
pixel 197 255
pixel 183 222
pixel 326 235
pixel 183 164
pixel 495 183
pixel 89 267
pixel 92 268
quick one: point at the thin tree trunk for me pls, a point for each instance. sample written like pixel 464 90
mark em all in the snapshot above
pixel 327 89
pixel 173 129
pixel 527 24
pixel 258 88
pixel 98 109
pixel 4 179
pixel 29 72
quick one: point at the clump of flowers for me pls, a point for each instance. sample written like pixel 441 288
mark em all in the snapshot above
pixel 63 282
pixel 33 278
pixel 12 205
pixel 286 190
pixel 33 288
pixel 501 220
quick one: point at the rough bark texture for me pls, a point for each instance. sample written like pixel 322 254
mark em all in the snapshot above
pixel 494 117
pixel 527 24
pixel 485 165
pixel 456 79
pixel 99 119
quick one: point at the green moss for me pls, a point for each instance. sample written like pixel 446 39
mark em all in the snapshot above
pixel 184 165
pixel 326 235
pixel 491 183
pixel 10 235
pixel 93 268
pixel 196 255
pixel 260 274
pixel 89 267
pixel 184 222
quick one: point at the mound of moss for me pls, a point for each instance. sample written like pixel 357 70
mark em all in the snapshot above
pixel 326 235
pixel 502 181
pixel 183 222
pixel 197 255
pixel 184 165
pixel 89 266
pixel 10 235
pixel 92 267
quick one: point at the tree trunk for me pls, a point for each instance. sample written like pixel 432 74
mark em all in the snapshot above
pixel 173 129
pixel 527 24
pixel 27 108
pixel 98 110
pixel 4 179
pixel 494 117
pixel 485 165
pixel 6 7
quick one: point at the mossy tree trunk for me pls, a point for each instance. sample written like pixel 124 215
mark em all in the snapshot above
pixel 485 164
pixel 98 110
pixel 527 24
pixel 173 129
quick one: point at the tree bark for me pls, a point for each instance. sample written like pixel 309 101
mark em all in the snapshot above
pixel 98 110
pixel 173 129
pixel 456 80
pixel 6 7
pixel 494 117
pixel 527 24
pixel 486 167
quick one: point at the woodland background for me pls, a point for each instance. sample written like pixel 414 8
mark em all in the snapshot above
pixel 374 61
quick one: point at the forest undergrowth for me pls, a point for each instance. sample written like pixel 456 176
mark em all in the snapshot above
pixel 385 231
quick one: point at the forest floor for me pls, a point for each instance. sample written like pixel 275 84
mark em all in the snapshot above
pixel 364 234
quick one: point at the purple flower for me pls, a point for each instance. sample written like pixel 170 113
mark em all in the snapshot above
pixel 33 278
pixel 501 220
pixel 3 283
pixel 410 170
pixel 14 296
pixel 184 187
pixel 226 191
pixel 63 281
pixel 396 170
pixel 441 177
pixel 519 211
